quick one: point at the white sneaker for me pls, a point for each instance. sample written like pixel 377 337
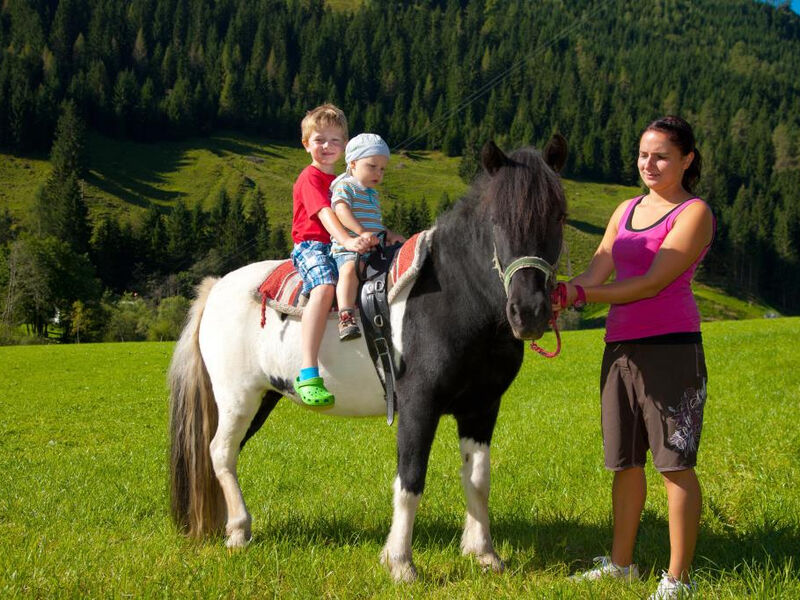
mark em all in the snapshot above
pixel 604 567
pixel 670 588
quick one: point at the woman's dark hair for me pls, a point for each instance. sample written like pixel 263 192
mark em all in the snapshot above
pixel 680 133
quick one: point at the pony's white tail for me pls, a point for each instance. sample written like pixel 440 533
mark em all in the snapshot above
pixel 197 504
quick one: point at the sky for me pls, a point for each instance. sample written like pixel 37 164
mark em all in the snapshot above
pixel 795 6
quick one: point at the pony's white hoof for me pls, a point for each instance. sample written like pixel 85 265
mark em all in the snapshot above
pixel 402 570
pixel 490 562
pixel 238 539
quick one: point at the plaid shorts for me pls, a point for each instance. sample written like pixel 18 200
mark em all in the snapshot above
pixel 313 261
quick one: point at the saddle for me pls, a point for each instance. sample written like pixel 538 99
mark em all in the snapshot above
pixel 383 274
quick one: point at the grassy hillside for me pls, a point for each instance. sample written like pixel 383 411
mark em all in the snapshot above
pixel 125 177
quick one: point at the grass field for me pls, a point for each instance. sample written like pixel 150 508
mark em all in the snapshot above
pixel 84 509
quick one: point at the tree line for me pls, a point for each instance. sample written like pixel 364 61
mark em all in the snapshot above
pixel 69 279
pixel 442 74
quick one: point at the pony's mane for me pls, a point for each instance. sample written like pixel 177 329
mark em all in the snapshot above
pixel 518 198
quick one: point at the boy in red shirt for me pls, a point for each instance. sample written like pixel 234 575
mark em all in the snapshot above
pixel 324 134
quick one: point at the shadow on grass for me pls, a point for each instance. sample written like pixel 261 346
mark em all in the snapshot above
pixel 557 541
pixel 413 155
pixel 132 172
pixel 586 227
pixel 220 145
pixel 130 190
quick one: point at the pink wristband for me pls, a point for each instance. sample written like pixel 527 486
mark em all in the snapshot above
pixel 580 301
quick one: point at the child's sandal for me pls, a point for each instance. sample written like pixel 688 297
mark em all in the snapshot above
pixel 313 393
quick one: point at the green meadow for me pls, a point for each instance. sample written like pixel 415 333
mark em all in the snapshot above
pixel 84 505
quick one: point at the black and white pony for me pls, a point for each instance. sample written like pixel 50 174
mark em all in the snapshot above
pixel 457 330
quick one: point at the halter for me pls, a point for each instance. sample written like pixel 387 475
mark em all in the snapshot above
pixel 531 262
pixel 523 262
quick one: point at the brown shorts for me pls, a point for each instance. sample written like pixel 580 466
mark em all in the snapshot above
pixel 652 396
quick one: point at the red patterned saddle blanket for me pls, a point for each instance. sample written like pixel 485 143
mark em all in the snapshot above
pixel 282 289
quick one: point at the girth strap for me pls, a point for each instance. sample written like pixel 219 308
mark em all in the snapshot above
pixel 374 307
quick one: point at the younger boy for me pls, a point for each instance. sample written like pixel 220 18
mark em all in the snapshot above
pixel 355 201
pixel 324 133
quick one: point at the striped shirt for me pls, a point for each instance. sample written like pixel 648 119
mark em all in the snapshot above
pixel 364 203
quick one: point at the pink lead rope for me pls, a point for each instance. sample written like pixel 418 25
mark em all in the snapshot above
pixel 546 353
pixel 557 296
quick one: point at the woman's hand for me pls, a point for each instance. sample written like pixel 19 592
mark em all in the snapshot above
pixel 563 295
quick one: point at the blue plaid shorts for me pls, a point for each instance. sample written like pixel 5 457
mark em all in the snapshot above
pixel 313 261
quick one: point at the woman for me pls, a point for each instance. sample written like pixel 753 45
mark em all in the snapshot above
pixel 653 380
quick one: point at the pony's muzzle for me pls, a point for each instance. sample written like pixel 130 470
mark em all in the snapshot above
pixel 528 320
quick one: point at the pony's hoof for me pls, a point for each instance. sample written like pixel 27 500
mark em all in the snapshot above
pixel 490 562
pixel 237 540
pixel 401 570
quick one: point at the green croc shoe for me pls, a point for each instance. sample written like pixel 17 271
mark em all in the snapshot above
pixel 313 393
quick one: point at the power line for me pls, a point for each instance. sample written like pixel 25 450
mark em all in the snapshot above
pixel 499 78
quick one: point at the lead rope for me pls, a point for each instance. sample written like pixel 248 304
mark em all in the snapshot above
pixel 557 351
pixel 558 295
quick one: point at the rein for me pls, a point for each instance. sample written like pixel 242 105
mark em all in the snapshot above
pixel 531 262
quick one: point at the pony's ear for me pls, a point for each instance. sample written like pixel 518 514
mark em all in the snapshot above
pixel 555 152
pixel 493 158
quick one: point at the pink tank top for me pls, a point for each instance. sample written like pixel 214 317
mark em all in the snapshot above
pixel 673 309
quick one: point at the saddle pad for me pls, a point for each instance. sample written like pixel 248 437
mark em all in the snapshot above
pixel 408 261
pixel 282 288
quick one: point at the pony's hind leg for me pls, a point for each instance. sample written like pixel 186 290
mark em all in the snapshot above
pixel 474 440
pixel 235 417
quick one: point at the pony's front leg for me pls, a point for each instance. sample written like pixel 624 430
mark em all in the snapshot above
pixel 475 475
pixel 415 434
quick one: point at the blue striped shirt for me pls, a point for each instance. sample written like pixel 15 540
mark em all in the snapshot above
pixel 364 203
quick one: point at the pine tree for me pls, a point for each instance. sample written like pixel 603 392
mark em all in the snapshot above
pixel 67 154
pixel 180 237
pixel 60 209
pixel 280 245
pixel 259 226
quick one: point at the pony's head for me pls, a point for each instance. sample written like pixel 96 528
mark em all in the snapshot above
pixel 526 205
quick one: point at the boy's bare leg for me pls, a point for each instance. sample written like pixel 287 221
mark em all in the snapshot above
pixel 312 324
pixel 348 285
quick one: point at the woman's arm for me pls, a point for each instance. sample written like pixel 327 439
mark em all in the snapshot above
pixel 692 232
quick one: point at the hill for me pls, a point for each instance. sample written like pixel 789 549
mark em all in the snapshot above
pixel 444 75
pixel 125 178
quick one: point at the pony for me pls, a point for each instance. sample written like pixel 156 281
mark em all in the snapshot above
pixel 458 334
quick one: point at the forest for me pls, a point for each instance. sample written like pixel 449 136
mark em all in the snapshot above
pixel 439 74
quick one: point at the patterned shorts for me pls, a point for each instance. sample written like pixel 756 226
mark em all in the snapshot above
pixel 653 397
pixel 344 257
pixel 314 263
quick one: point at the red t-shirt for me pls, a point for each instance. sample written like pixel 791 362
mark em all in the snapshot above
pixel 310 194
